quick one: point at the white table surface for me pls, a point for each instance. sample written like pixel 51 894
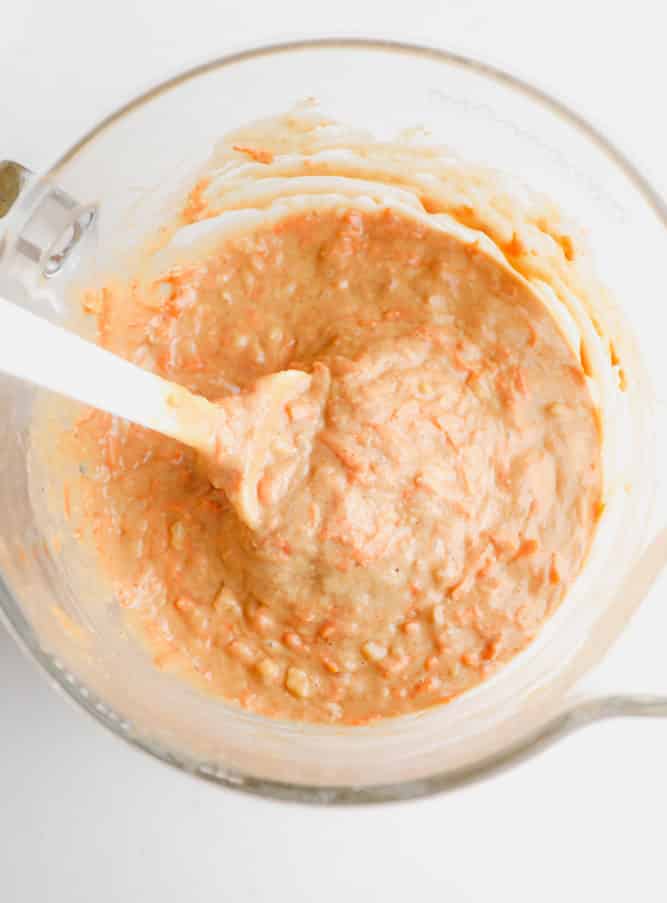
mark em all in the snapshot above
pixel 84 817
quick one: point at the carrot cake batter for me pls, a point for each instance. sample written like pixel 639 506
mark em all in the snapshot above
pixel 436 490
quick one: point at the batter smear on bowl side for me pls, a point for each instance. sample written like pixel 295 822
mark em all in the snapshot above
pixel 430 499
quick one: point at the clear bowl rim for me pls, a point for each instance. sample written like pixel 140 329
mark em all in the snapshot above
pixel 577 716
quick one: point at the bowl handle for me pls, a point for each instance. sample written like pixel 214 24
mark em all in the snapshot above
pixel 41 226
pixel 575 713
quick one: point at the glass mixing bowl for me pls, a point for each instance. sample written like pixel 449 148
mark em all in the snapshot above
pixel 121 175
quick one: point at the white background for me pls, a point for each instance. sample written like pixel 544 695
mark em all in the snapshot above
pixel 85 818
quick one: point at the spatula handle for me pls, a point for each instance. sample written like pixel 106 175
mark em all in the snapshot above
pixel 39 352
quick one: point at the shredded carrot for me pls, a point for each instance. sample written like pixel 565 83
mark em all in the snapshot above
pixel 490 650
pixel 196 204
pixel 528 547
pixel 66 501
pixel 260 156
pixel 111 453
pixel 567 246
pixel 514 247
pixel 577 374
pixel 520 381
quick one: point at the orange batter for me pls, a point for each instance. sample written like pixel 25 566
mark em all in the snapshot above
pixel 442 504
